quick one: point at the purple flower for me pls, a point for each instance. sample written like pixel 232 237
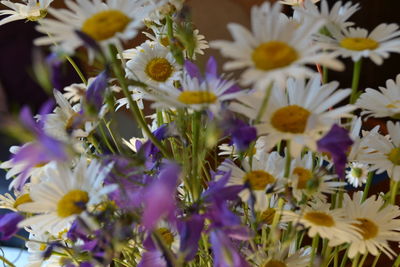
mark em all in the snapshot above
pixel 97 89
pixel 8 224
pixel 152 258
pixel 336 142
pixel 159 197
pixel 217 191
pixel 190 233
pixel 55 63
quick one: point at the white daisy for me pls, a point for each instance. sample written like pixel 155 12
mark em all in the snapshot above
pixel 160 35
pixel 384 102
pixel 265 174
pixel 310 181
pixel 260 148
pixel 357 175
pixel 161 8
pixel 278 256
pixel 32 10
pixel 64 194
pixel 383 154
pixel 329 224
pixel 37 245
pixel 195 94
pixel 152 64
pixel 276 48
pixel 375 221
pixel 358 43
pixel 303 114
pixel 108 22
pixel 296 2
pixel 10 202
pixel 335 18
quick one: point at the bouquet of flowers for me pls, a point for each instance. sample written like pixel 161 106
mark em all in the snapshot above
pixel 269 169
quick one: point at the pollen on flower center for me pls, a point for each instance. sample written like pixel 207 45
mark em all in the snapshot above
pixel 25 198
pixel 357 172
pixel 367 228
pixel 319 218
pixel 359 44
pixel 166 235
pixel 73 202
pixel 394 156
pixel 197 97
pixel 267 216
pixel 273 55
pixel 274 263
pixel 258 179
pixel 105 24
pixel 159 69
pixel 303 175
pixel 290 119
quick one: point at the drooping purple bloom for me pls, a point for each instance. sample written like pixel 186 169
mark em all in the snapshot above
pixel 152 258
pixel 55 64
pixel 97 89
pixel 217 191
pixel 159 197
pixel 190 232
pixel 8 224
pixel 336 142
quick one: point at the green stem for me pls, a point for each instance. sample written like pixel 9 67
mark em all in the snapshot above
pixel 376 260
pixel 367 186
pixel 314 249
pixel 112 136
pixel 363 260
pixel 288 160
pixel 354 262
pixel 9 263
pixel 355 82
pixel 196 123
pixel 105 138
pixel 264 103
pixel 393 192
pixel 76 68
pixel 345 258
pixel 133 105
pixel 336 257
pixel 324 74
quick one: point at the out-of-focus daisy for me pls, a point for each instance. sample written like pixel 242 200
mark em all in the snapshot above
pixel 161 8
pixel 384 102
pixel 32 10
pixel 376 222
pixel 273 52
pixel 64 194
pixel 329 224
pixel 296 2
pixel 303 115
pixel 7 201
pixel 265 174
pixel 37 245
pixel 278 256
pixel 357 174
pixel 335 18
pixel 382 153
pixel 307 180
pixel 152 64
pixel 108 22
pixel 358 43
pixel 160 35
pixel 258 150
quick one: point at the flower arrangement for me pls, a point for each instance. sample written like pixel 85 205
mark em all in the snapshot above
pixel 253 171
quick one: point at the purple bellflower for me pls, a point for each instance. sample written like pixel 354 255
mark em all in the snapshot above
pixel 8 224
pixel 97 89
pixel 336 142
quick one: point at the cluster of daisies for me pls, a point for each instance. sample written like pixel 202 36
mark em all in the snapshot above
pixel 271 169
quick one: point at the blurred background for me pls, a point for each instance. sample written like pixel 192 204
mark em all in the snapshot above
pixel 19 88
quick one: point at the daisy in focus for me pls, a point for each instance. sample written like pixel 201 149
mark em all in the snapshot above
pixel 266 174
pixel 383 152
pixel 152 64
pixel 376 223
pixel 357 43
pixel 384 102
pixel 272 53
pixel 32 10
pixel 302 115
pixel 320 220
pixel 109 22
pixel 64 194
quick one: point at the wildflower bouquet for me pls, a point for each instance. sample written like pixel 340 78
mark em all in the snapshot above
pixel 271 169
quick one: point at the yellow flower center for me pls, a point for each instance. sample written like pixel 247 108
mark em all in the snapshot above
pixel 394 156
pixel 25 198
pixel 105 24
pixel 72 203
pixel 42 14
pixel 303 175
pixel 273 55
pixel 166 235
pixel 159 69
pixel 267 216
pixel 258 179
pixel 357 172
pixel 43 247
pixel 290 119
pixel 319 218
pixel 367 228
pixel 164 41
pixel 359 44
pixel 197 97
pixel 274 263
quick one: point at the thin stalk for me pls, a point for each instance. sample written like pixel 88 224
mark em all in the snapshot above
pixel 393 192
pixel 354 262
pixel 288 160
pixel 355 82
pixel 133 105
pixel 105 138
pixel 324 74
pixel 367 186
pixel 314 249
pixel 9 263
pixel 336 257
pixel 397 262
pixel 264 104
pixel 363 260
pixel 76 68
pixel 345 258
pixel 196 127
pixel 113 137
pixel 376 260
